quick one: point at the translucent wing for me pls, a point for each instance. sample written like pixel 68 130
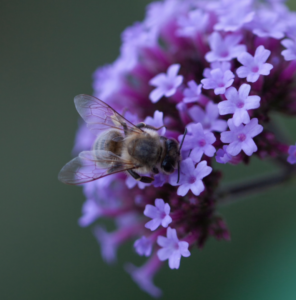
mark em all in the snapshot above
pixel 100 116
pixel 92 165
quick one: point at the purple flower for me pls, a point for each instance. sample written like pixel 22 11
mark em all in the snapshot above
pixel 255 66
pixel 191 177
pixel 84 139
pixel 238 103
pixel 143 246
pixel 132 182
pixel 209 118
pixel 290 52
pixel 292 155
pixel 176 39
pixel 160 179
pixel 156 121
pixel 91 211
pixel 143 276
pixel 224 49
pixel 268 24
pixel 193 93
pixel 235 18
pixel 222 157
pixel 196 21
pixel 199 141
pixel 166 84
pixel 218 79
pixel 172 248
pixel 110 241
pixel 241 137
pixel 160 214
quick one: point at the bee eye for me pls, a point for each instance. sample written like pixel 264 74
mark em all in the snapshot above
pixel 168 168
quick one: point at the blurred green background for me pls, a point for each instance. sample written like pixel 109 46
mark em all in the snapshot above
pixel 48 54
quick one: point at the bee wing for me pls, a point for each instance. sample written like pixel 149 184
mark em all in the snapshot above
pixel 92 165
pixel 100 116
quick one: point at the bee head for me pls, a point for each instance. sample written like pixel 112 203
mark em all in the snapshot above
pixel 172 156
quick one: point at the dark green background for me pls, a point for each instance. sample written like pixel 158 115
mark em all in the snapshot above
pixel 48 52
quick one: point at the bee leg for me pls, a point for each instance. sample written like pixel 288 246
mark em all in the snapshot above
pixel 144 179
pixel 125 129
pixel 144 125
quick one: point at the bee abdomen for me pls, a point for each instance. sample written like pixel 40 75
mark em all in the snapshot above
pixel 110 140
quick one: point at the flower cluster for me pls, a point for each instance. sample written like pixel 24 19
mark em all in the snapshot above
pixel 217 68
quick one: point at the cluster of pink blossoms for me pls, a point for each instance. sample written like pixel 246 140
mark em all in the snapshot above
pixel 217 68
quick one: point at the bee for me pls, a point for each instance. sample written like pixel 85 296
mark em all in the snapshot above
pixel 120 146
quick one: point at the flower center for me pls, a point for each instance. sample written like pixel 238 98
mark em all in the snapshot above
pixel 255 69
pixel 224 53
pixel 240 104
pixel 169 86
pixel 192 179
pixel 241 137
pixel 201 143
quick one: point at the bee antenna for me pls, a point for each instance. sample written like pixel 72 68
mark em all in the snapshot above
pixel 185 132
pixel 178 172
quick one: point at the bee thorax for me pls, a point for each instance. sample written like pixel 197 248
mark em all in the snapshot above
pixel 145 150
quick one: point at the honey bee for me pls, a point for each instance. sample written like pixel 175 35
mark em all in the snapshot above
pixel 120 146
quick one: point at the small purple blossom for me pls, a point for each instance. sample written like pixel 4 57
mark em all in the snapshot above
pixel 199 141
pixel 132 182
pixel 218 80
pixel 191 177
pixel 224 49
pixel 255 66
pixel 268 24
pixel 290 52
pixel 193 93
pixel 166 84
pixel 172 248
pixel 235 19
pixel 156 121
pixel 196 21
pixel 222 157
pixel 241 137
pixel 160 214
pixel 238 103
pixel 143 276
pixel 109 243
pixel 292 155
pixel 143 246
pixel 208 118
pixel 91 211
